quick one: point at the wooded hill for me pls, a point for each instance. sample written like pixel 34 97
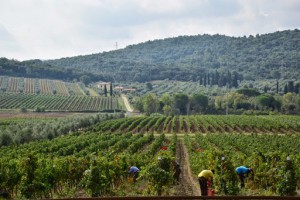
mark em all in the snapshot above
pixel 269 56
pixel 191 57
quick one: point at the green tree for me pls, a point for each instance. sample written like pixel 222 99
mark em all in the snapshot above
pixel 199 102
pixel 290 87
pixel 266 101
pixel 150 103
pixel 181 102
pixel 85 79
pixel 167 99
pixel 289 102
pixel 110 89
pixel 138 104
pixel 167 110
pixel 297 88
pixel 149 86
pixel 105 91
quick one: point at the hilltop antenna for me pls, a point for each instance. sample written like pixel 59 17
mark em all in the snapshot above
pixel 116 45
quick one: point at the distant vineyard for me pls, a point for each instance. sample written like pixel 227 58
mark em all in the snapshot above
pixel 39 86
pixel 205 124
pixel 58 103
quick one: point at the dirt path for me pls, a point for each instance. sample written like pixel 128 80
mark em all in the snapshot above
pixel 126 103
pixel 187 186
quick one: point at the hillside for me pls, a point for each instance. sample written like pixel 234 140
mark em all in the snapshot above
pixel 274 55
pixel 52 95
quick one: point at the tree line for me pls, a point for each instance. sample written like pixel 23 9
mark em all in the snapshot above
pixel 42 70
pixel 243 101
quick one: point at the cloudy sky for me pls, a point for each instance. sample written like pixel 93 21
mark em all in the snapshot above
pixel 48 29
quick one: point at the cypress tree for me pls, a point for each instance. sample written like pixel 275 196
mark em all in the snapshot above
pixel 290 87
pixel 105 91
pixel 217 77
pixel 208 79
pixel 234 80
pixel 111 90
pixel 285 89
pixel 297 88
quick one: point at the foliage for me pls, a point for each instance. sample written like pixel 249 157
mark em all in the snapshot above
pixel 180 103
pixel 199 102
pixel 248 92
pixel 26 130
pixel 94 163
pixel 150 103
pixel 193 58
pixel 272 172
pixel 288 184
pixel 159 174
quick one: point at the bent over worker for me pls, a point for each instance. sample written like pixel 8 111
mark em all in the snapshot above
pixel 134 171
pixel 243 172
pixel 204 177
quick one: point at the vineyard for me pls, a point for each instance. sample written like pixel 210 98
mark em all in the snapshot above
pixel 40 86
pixel 275 160
pixel 94 162
pixel 86 164
pixel 58 103
pixel 279 124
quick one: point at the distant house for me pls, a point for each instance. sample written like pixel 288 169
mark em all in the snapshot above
pixel 119 88
pixel 129 90
pixel 123 89
pixel 102 84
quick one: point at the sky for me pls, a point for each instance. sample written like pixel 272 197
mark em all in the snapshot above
pixel 50 29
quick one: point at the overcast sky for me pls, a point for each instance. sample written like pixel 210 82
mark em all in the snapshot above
pixel 48 29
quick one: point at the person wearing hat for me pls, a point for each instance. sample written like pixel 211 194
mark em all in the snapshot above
pixel 204 177
pixel 134 171
pixel 243 172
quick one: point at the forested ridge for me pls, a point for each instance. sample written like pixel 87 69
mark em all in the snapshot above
pixel 185 58
pixel 273 55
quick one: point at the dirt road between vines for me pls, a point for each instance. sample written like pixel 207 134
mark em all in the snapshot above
pixel 188 185
pixel 126 102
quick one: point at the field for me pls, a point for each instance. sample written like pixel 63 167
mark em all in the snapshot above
pixel 94 161
pixel 40 86
pixel 279 124
pixel 58 103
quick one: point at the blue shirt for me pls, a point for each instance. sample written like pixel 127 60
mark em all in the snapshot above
pixel 242 170
pixel 133 169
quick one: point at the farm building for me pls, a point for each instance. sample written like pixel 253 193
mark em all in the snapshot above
pixel 102 84
pixel 123 89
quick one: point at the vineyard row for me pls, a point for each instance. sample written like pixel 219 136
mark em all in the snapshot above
pixel 205 124
pixel 58 103
pixel 39 86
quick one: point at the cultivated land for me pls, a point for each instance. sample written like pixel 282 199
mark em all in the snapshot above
pixel 57 168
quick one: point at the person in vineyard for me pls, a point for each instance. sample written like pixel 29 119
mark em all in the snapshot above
pixel 204 177
pixel 243 172
pixel 177 171
pixel 134 171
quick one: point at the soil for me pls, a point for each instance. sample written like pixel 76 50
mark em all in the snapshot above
pixel 193 128
pixel 169 127
pixel 9 115
pixel 188 185
pixel 185 127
